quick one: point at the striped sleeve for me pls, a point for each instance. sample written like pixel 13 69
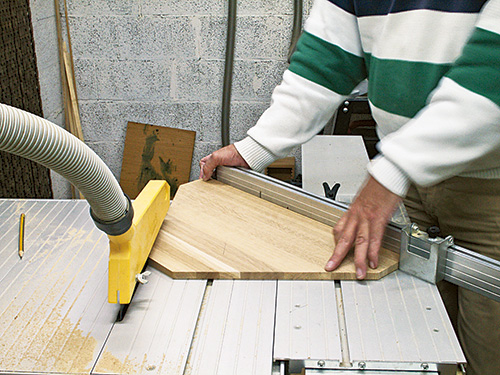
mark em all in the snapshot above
pixel 478 69
pixel 329 52
pixel 458 131
pixel 327 66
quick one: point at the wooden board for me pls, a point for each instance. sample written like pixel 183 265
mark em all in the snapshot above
pixel 215 231
pixel 155 153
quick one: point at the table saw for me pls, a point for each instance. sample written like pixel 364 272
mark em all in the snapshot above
pixel 55 318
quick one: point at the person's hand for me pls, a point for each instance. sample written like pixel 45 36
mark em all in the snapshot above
pixel 227 156
pixel 363 226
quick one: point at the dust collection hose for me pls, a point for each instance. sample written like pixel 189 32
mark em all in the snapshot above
pixel 37 139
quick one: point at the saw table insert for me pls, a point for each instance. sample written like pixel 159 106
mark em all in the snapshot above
pixel 216 231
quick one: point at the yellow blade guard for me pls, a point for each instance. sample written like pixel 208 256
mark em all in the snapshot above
pixel 129 251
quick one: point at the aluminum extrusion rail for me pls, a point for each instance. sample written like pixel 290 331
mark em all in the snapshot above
pixel 462 267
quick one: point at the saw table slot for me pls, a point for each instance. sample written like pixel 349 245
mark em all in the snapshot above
pixel 399 319
pixel 235 332
pixel 307 322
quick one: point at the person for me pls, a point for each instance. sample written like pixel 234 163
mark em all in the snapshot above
pixel 433 70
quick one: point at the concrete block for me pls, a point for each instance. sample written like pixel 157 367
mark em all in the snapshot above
pixel 212 39
pixel 133 79
pixel 201 117
pixel 49 74
pixel 133 37
pixel 108 7
pixel 263 37
pixel 184 7
pixel 264 7
pixel 243 116
pixel 45 35
pixel 107 120
pixel 257 37
pixel 256 80
pixel 41 9
pixel 296 152
pixel 50 92
pixel 100 36
pixel 198 80
pixel 86 78
pixel 102 122
pixel 157 37
pixel 307 5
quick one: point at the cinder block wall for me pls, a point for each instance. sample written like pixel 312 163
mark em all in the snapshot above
pixel 162 61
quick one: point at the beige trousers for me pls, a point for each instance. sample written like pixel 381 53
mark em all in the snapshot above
pixel 469 210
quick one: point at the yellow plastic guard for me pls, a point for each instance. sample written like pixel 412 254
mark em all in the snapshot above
pixel 128 252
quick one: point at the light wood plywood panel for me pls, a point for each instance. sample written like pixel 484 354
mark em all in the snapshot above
pixel 213 230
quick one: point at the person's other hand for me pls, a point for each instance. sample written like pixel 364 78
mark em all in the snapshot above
pixel 363 226
pixel 227 156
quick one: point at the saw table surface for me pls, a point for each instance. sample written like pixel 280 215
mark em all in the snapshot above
pixel 55 318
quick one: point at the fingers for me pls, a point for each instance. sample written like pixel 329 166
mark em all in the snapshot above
pixel 208 165
pixel 343 242
pixel 349 232
pixel 225 156
pixel 363 226
pixel 376 235
pixel 361 249
pixel 202 168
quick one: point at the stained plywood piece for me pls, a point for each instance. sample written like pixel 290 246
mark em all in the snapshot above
pixel 215 231
pixel 155 153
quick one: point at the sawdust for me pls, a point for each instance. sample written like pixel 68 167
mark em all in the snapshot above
pixel 58 346
pixel 39 336
pixel 108 363
pixel 77 351
pixel 54 345
pixel 25 327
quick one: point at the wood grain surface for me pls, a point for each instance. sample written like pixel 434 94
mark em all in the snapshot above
pixel 155 153
pixel 215 231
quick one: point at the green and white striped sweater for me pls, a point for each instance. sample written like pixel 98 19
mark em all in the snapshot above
pixel 433 69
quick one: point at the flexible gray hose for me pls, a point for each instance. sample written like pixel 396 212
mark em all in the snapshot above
pixel 228 71
pixel 296 28
pixel 37 139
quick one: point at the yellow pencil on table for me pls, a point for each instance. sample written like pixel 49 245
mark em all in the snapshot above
pixel 21 236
